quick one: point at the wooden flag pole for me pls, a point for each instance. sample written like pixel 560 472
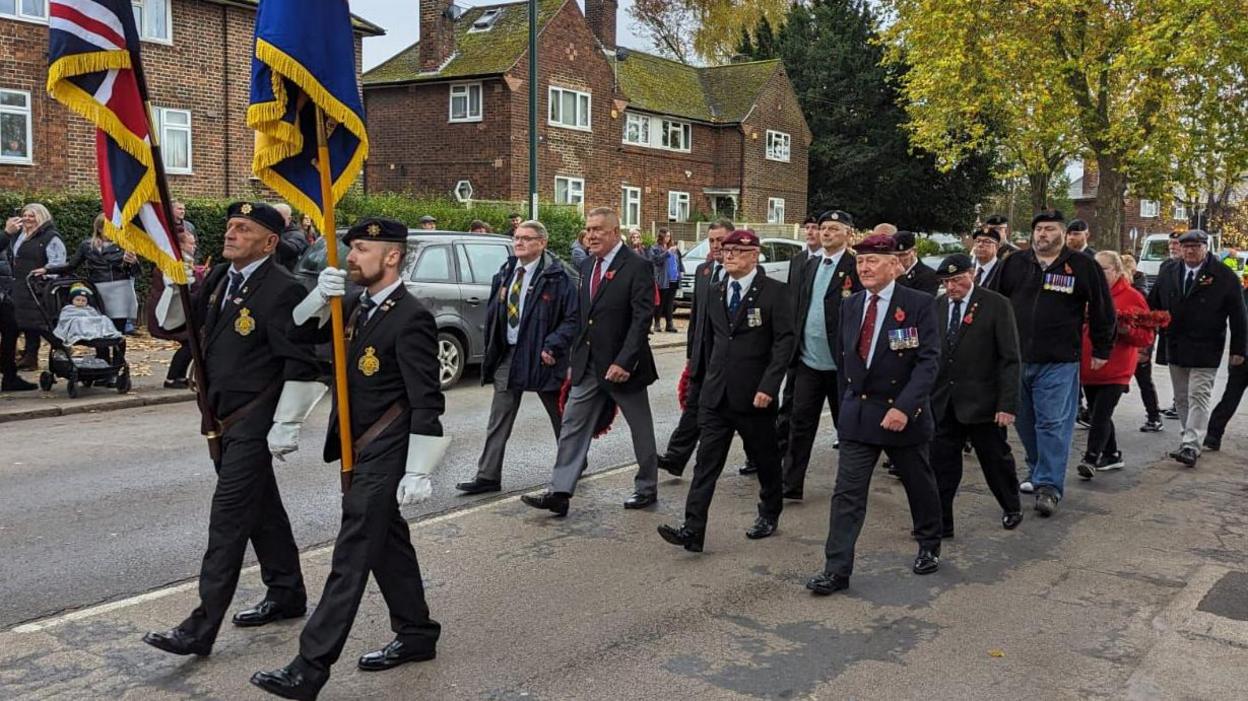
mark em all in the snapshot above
pixel 329 230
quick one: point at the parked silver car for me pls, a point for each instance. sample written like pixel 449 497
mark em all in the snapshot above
pixel 450 273
pixel 774 256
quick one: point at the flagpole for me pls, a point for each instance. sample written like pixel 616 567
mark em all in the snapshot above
pixel 329 230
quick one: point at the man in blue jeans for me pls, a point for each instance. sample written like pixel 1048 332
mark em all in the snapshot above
pixel 1053 290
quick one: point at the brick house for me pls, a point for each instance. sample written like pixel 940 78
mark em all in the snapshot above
pixel 659 140
pixel 1141 216
pixel 198 62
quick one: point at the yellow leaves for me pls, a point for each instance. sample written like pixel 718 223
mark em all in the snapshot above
pixel 996 653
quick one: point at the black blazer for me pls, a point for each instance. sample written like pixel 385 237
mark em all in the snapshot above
pixel 750 352
pixel 980 367
pixel 615 325
pixel 897 379
pixel 920 277
pixel 990 280
pixel 842 286
pixel 248 344
pixel 797 268
pixel 697 329
pixel 1196 336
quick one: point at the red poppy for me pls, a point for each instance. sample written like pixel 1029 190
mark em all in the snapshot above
pixel 899 315
pixel 849 284
pixel 966 320
pixel 610 275
pixel 546 297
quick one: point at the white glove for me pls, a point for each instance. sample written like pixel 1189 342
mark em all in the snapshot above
pixel 298 400
pixel 423 454
pixel 332 282
pixel 169 312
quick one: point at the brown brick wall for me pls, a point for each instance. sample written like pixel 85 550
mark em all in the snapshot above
pixel 777 109
pixel 1164 223
pixel 206 69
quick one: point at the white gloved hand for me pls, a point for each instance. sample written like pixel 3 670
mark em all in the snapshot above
pixel 297 401
pixel 169 312
pixel 284 439
pixel 423 454
pixel 332 282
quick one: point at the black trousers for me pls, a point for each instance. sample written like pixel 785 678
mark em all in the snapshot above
pixel 784 418
pixel 758 433
pixel 1236 383
pixel 31 348
pixel 684 438
pixel 245 506
pixel 995 459
pixel 1148 390
pixel 853 484
pixel 666 306
pixel 8 338
pixel 1102 400
pixel 811 388
pixel 375 539
pixel 180 362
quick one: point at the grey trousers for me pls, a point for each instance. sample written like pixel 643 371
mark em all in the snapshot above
pixel 503 410
pixel 1193 394
pixel 585 402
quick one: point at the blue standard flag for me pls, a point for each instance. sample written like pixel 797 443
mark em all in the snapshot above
pixel 304 59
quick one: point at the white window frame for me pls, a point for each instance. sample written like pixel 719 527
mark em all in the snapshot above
pixel 574 190
pixel 1180 212
pixel 1150 209
pixel 141 26
pixel 464 91
pixel 17 13
pixel 669 126
pixel 164 126
pixel 630 198
pixel 554 97
pixel 655 132
pixel 775 210
pixel 677 206
pixel 30 135
pixel 641 122
pixel 779 146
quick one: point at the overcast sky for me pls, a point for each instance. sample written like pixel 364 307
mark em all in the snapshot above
pixel 400 18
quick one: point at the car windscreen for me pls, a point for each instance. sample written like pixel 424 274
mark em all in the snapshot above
pixel 1156 250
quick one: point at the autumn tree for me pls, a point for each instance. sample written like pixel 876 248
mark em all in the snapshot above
pixel 705 30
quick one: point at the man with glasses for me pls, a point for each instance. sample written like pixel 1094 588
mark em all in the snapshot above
pixel 984 252
pixel 530 321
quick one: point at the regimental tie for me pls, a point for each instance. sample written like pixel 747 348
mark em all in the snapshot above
pixel 979 274
pixel 362 312
pixel 513 299
pixel 595 279
pixel 236 284
pixel 868 329
pixel 1188 282
pixel 955 322
pixel 734 302
pixel 719 273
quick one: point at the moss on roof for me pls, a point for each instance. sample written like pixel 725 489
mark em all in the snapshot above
pixel 476 53
pixel 734 88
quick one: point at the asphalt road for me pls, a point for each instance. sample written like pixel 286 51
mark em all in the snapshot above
pixel 98 507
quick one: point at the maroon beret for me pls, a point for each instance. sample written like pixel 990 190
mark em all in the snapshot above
pixel 742 238
pixel 879 243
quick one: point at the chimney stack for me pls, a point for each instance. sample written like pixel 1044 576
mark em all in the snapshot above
pixel 437 34
pixel 600 16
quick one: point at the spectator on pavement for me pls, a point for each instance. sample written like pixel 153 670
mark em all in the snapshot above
pixel 112 271
pixel 579 251
pixel 478 227
pixel 179 217
pixel 176 377
pixel 10 381
pixel 428 222
pixel 309 229
pixel 667 270
pixel 33 243
pixel 513 220
pixel 293 240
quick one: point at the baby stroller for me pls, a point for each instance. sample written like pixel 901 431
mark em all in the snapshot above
pixel 51 294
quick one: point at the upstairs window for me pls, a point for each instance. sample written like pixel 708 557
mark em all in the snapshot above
pixel 569 108
pixel 777 146
pixel 1149 209
pixel 152 19
pixel 676 135
pixel 465 102
pixel 1180 212
pixel 637 129
pixel 24 9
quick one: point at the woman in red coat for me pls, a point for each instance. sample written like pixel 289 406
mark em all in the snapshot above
pixel 1105 386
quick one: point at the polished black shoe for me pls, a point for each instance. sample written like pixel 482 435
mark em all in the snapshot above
pixel 15 383
pixel 266 612
pixel 1046 501
pixel 1212 444
pixel 1011 520
pixel 393 655
pixel 1174 454
pixel 477 485
pixel 927 561
pixel 763 528
pixel 826 583
pixel 290 683
pixel 793 494
pixel 1188 456
pixel 180 383
pixel 683 536
pixel 641 501
pixel 670 467
pixel 177 642
pixel 749 468
pixel 553 502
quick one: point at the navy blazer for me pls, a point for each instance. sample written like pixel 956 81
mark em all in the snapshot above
pixel 615 325
pixel 897 379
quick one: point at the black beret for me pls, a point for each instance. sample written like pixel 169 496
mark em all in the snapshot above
pixel 259 212
pixel 877 243
pixel 954 264
pixel 1077 225
pixel 809 220
pixel 1194 236
pixel 996 220
pixel 988 234
pixel 837 216
pixel 377 229
pixel 905 241
pixel 1048 215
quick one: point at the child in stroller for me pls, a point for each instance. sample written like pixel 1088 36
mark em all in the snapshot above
pixel 80 322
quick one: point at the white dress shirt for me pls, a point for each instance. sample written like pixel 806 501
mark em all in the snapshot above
pixel 246 271
pixel 966 305
pixel 986 267
pixel 881 308
pixel 380 297
pixel 745 282
pixel 513 335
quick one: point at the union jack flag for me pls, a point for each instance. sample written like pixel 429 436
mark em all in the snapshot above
pixel 93 47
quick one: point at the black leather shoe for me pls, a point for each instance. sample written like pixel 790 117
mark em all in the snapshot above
pixel 793 494
pixel 179 383
pixel 1188 456
pixel 15 383
pixel 266 612
pixel 1212 444
pixel 289 683
pixel 683 536
pixel 393 655
pixel 669 466
pixel 749 468
pixel 177 642
pixel 763 528
pixel 927 561
pixel 553 502
pixel 477 485
pixel 1011 520
pixel 640 501
pixel 826 583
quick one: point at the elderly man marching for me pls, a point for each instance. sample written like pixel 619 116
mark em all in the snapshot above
pixel 260 380
pixel 395 405
pixel 888 355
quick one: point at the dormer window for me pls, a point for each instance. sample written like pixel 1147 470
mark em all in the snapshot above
pixel 486 21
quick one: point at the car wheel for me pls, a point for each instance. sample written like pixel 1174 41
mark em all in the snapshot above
pixel 451 359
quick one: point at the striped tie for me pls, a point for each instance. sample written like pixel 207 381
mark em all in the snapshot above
pixel 513 299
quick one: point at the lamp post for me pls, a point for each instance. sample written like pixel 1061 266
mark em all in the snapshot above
pixel 532 109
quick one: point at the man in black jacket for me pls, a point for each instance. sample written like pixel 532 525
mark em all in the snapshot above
pixel 1077 238
pixel 530 322
pixel 611 364
pixel 976 394
pixel 1236 384
pixel 987 262
pixel 261 385
pixel 684 438
pixel 1203 297
pixel 916 274
pixel 747 352
pixel 1053 291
